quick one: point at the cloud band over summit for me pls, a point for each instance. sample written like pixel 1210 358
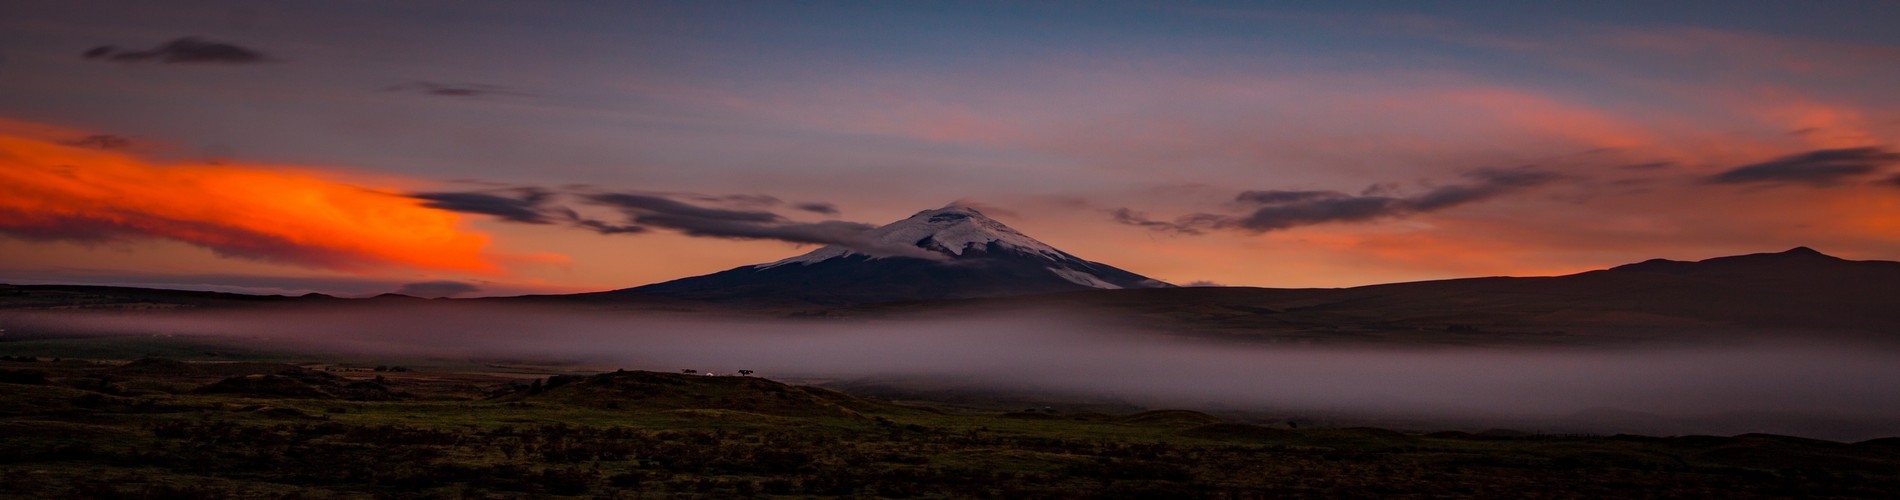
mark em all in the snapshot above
pixel 642 212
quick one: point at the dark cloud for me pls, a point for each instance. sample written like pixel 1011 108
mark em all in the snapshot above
pixel 453 90
pixel 603 227
pixel 187 50
pixel 1654 165
pixel 744 200
pixel 662 211
pixel 693 220
pixel 1491 182
pixel 1288 209
pixel 1822 167
pixel 1133 218
pixel 658 211
pixel 1892 181
pixel 1275 210
pixel 437 289
pixel 103 141
pixel 817 208
pixel 1337 209
pixel 1202 284
pixel 1520 177
pixel 1382 189
pixel 527 205
pixel 1273 197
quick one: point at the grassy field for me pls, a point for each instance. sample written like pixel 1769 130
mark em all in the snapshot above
pixel 157 428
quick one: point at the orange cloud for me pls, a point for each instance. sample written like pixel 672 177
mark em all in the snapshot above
pixel 53 189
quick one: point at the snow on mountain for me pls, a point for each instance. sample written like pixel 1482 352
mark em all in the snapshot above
pixel 955 230
pixel 952 230
pixel 1082 278
pixel 980 257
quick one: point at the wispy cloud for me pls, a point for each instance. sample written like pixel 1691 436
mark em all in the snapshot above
pixel 817 208
pixel 1274 210
pixel 453 89
pixel 1133 218
pixel 1823 167
pixel 102 141
pixel 525 205
pixel 187 50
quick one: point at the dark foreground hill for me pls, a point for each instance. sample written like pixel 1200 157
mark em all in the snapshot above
pixel 644 434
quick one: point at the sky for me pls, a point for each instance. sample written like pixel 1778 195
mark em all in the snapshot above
pixel 499 148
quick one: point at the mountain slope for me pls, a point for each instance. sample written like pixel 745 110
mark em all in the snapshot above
pixel 963 254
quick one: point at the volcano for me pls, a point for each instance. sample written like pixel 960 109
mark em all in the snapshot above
pixel 947 253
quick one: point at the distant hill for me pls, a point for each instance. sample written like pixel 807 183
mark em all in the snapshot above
pixel 1799 290
pixel 120 297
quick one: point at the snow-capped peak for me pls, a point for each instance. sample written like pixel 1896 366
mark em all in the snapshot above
pixel 952 230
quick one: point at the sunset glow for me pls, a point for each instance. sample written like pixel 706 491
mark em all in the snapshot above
pixel 55 191
pixel 950 249
pixel 608 146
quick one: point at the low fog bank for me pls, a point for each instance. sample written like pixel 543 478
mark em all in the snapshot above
pixel 1826 390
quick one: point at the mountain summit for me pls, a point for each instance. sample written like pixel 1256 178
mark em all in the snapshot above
pixel 950 252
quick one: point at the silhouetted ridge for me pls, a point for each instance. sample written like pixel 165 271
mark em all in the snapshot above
pixel 1805 251
pixel 1798 256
